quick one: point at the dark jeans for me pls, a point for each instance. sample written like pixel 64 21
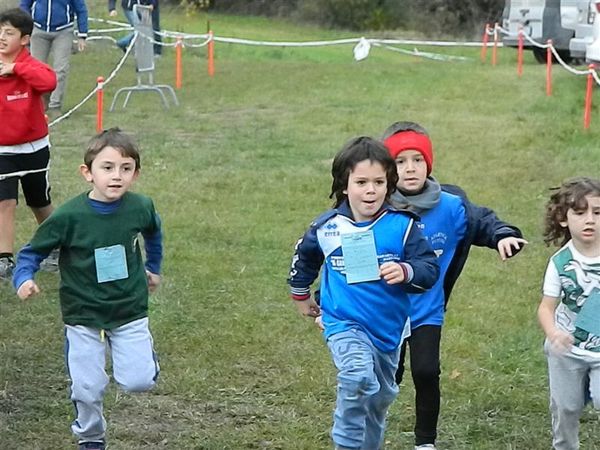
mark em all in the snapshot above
pixel 156 28
pixel 424 346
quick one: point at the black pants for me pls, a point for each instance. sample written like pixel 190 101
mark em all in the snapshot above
pixel 424 346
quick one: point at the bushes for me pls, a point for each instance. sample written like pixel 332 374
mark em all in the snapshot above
pixel 432 17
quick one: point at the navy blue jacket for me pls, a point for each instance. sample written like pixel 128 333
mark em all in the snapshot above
pixel 484 229
pixel 56 15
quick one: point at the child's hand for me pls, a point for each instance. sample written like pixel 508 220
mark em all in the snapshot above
pixel 308 307
pixel 506 246
pixel 80 44
pixel 6 69
pixel 319 322
pixel 27 289
pixel 153 280
pixel 112 13
pixel 392 272
pixel 560 341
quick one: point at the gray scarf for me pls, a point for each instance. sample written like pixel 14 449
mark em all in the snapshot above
pixel 419 203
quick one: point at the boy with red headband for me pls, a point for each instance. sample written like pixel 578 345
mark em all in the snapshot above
pixel 452 224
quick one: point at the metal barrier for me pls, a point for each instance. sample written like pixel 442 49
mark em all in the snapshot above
pixel 144 59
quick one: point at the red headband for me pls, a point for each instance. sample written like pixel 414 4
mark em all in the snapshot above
pixel 411 140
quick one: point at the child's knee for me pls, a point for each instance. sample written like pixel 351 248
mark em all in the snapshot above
pixel 86 392
pixel 358 383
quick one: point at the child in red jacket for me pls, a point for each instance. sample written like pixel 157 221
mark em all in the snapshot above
pixel 24 143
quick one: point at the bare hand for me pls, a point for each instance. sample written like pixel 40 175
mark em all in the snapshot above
pixel 319 322
pixel 153 280
pixel 80 44
pixel 112 13
pixel 27 289
pixel 308 307
pixel 560 341
pixel 391 272
pixel 6 69
pixel 506 246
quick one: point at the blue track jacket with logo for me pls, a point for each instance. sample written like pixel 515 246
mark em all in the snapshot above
pixel 377 308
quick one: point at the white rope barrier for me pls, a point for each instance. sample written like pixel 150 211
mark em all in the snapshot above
pixel 108 80
pixel 555 53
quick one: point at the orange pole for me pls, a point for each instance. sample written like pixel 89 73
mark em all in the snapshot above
pixel 178 68
pixel 520 52
pixel 484 42
pixel 549 68
pixel 495 48
pixel 99 104
pixel 587 113
pixel 211 54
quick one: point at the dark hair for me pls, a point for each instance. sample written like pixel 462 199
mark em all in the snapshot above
pixel 570 195
pixel 19 19
pixel 356 150
pixel 115 138
pixel 398 127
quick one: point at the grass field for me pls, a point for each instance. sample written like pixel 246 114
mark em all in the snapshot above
pixel 237 172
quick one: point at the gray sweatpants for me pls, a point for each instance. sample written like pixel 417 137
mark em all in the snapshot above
pixel 573 380
pixel 60 43
pixel 135 369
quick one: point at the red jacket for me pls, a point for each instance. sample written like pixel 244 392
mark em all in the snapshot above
pixel 22 117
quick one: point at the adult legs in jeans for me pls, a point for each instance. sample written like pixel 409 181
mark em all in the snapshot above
pixel 424 344
pixel 156 28
pixel 124 42
pixel 363 393
pixel 60 44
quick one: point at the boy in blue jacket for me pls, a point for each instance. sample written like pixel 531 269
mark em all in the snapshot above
pixel 372 255
pixel 54 21
pixel 452 224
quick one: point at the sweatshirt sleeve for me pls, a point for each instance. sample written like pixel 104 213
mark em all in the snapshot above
pixel 28 263
pixel 82 18
pixel 420 262
pixel 306 264
pixel 153 247
pixel 488 229
pixel 112 5
pixel 37 74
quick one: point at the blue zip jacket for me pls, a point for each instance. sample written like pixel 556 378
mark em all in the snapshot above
pixel 377 308
pixel 483 229
pixel 56 15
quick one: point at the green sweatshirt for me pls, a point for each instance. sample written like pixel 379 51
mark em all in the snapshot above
pixel 80 232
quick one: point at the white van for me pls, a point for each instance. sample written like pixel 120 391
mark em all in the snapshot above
pixel 567 22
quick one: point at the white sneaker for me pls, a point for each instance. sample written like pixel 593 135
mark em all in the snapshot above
pixel 425 446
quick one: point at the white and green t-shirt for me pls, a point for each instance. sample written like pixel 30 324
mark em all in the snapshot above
pixel 575 279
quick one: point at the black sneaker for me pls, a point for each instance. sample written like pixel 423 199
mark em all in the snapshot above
pixel 7 266
pixel 91 445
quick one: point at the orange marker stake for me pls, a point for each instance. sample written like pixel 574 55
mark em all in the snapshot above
pixel 495 48
pixel 520 52
pixel 587 113
pixel 549 68
pixel 99 104
pixel 178 68
pixel 484 42
pixel 211 54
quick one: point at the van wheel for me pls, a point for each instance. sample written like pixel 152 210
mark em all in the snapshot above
pixel 540 55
